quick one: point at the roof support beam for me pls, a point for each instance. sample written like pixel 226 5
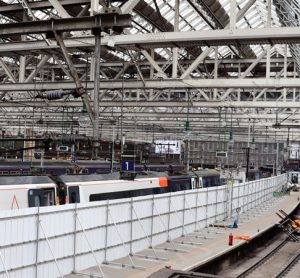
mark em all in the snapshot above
pixel 154 64
pixel 129 6
pixel 196 104
pixel 8 71
pixel 79 88
pixel 161 84
pixel 108 20
pixel 196 63
pixel 249 69
pixel 59 8
pixel 38 67
pixel 207 51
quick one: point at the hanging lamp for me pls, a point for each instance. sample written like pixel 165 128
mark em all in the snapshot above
pixel 187 122
pixel 84 119
pixel 266 143
pixel 231 140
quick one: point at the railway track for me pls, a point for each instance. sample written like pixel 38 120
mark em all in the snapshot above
pixel 288 267
pixel 263 260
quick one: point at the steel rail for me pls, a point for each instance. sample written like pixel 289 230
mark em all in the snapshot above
pixel 288 267
pixel 263 260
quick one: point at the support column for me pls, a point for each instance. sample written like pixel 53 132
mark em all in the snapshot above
pixel 232 14
pixel 268 65
pixel 285 70
pixel 97 34
pixel 79 88
pixel 216 65
pixel 175 49
pixel 22 69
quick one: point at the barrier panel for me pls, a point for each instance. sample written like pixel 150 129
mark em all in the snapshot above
pixel 55 241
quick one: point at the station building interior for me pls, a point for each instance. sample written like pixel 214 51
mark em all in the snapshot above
pixel 215 77
pixel 190 96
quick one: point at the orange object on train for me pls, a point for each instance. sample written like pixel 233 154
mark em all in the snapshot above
pixel 163 182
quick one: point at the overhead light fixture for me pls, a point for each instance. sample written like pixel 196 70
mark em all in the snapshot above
pixel 84 118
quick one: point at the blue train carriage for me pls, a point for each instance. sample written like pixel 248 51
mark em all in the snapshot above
pixel 26 191
pixel 194 179
pixel 205 178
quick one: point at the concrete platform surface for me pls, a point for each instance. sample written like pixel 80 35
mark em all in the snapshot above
pixel 252 223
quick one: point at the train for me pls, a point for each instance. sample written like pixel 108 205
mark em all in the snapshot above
pixel 37 191
pixel 80 167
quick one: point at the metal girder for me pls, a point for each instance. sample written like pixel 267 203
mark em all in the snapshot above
pixel 109 20
pixel 161 84
pixel 280 35
pixel 8 71
pixel 40 5
pixel 129 6
pixel 154 64
pixel 166 115
pixel 244 74
pixel 42 62
pixel 196 62
pixel 79 87
pixel 60 9
pixel 160 103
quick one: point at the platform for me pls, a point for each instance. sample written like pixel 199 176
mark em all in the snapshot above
pixel 199 247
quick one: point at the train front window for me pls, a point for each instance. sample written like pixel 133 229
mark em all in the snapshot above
pixel 48 197
pixel 41 197
pixel 36 201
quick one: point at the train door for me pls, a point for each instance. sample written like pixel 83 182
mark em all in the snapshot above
pixel 73 193
pixel 194 183
pixel 41 197
pixel 200 182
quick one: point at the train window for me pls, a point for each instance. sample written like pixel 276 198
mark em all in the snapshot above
pixel 15 172
pixel 105 196
pixel 73 197
pixel 205 182
pixel 142 192
pixel 36 200
pixel 41 197
pixel 122 194
pixel 4 172
pixel 216 181
pixel 85 171
pixel 73 194
pixel 48 197
pixel 160 190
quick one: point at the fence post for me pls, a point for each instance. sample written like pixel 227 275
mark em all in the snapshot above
pixel 37 242
pixel 216 207
pixel 75 238
pixel 169 218
pixel 196 212
pixel 106 232
pixel 183 214
pixel 131 227
pixel 206 208
pixel 152 221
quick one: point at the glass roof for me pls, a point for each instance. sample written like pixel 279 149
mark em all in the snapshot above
pixel 189 20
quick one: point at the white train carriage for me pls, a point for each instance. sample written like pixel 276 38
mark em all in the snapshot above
pixel 88 188
pixel 26 191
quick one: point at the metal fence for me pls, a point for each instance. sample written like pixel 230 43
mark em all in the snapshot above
pixel 55 241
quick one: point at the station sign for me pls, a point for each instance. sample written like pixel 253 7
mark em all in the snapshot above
pixel 127 165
